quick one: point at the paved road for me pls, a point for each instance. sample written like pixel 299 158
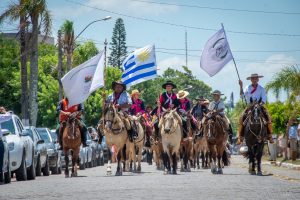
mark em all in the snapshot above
pixel 93 183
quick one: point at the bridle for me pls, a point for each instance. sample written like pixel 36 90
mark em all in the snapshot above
pixel 257 120
pixel 112 121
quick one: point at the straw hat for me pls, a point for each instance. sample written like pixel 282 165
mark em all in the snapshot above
pixel 254 76
pixel 182 94
pixel 134 92
pixel 217 92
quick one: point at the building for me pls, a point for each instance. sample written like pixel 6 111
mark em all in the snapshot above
pixel 41 38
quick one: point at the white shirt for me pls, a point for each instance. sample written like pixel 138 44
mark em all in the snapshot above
pixel 259 93
pixel 217 106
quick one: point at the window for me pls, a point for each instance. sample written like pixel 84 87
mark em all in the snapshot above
pixel 43 133
pixel 9 125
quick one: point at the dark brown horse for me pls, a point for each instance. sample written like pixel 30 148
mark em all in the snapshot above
pixel 216 136
pixel 255 134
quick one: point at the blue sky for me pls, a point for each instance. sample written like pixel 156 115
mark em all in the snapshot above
pixel 141 32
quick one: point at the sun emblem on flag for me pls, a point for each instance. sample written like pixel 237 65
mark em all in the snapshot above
pixel 144 55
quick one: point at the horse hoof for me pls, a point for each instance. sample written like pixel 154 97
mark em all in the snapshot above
pixel 198 167
pixel 214 170
pixel 66 175
pixel 220 171
pixel 165 172
pixel 252 173
pixel 259 173
pixel 189 170
pixel 174 172
pixel 181 170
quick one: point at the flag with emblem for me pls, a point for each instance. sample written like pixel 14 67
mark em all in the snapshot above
pixel 216 53
pixel 84 79
pixel 139 66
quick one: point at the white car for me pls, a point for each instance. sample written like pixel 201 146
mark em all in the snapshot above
pixel 21 147
pixel 6 164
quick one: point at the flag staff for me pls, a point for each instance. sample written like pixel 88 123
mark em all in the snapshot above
pixel 236 69
pixel 104 76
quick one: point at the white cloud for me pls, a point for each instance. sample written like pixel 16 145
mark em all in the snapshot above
pixel 226 80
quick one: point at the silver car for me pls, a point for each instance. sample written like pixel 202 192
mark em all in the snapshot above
pixel 21 147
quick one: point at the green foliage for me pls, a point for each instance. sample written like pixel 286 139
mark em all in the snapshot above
pixel 84 52
pixel 118 44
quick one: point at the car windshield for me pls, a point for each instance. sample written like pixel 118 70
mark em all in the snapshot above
pixel 30 132
pixel 44 135
pixel 6 122
pixel 53 135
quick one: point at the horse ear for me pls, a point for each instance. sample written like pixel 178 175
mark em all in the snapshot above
pixel 251 100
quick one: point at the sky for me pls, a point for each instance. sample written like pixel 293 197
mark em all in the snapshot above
pixel 251 28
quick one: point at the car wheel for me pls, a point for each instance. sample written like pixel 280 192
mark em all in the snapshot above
pixel 7 175
pixel 82 166
pixel 59 168
pixel 101 161
pixel 46 171
pixel 54 169
pixel 31 171
pixel 38 170
pixel 21 174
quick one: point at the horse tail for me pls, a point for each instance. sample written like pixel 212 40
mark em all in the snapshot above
pixel 225 158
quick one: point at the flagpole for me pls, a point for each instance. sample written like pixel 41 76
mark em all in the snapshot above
pixel 236 69
pixel 104 76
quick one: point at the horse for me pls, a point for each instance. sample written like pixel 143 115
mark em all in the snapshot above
pixel 71 141
pixel 113 127
pixel 201 150
pixel 157 149
pixel 186 147
pixel 134 148
pixel 255 132
pixel 170 128
pixel 216 138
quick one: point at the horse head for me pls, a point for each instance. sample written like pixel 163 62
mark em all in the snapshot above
pixel 170 119
pixel 256 110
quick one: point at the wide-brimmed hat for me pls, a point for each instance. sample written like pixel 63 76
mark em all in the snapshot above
pixel 169 83
pixel 254 76
pixel 114 83
pixel 182 94
pixel 201 98
pixel 217 92
pixel 135 92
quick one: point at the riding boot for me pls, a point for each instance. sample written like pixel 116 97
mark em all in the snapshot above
pixel 60 135
pixel 147 143
pixel 270 133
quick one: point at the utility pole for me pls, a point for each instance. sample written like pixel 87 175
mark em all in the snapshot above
pixel 186 50
pixel 59 65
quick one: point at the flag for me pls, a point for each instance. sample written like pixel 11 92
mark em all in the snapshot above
pixel 216 53
pixel 139 66
pixel 84 79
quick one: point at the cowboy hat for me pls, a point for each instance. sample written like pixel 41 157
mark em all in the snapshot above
pixel 200 98
pixel 168 83
pixel 114 83
pixel 254 76
pixel 134 92
pixel 217 92
pixel 182 94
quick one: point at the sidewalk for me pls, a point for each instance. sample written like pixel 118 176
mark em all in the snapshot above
pixel 282 164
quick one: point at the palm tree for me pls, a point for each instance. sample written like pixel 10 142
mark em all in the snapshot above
pixel 68 41
pixel 288 79
pixel 14 12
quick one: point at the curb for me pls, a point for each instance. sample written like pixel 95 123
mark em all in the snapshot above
pixel 283 164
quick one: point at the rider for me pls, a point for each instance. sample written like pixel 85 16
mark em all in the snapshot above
pixel 217 105
pixel 199 110
pixel 64 112
pixel 256 92
pixel 149 127
pixel 137 107
pixel 122 101
pixel 184 108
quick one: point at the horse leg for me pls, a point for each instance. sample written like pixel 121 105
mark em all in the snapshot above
pixel 74 165
pixel 174 157
pixel 258 158
pixel 139 159
pixel 119 167
pixel 67 163
pixel 214 158
pixel 108 168
pixel 251 162
pixel 220 151
pixel 165 161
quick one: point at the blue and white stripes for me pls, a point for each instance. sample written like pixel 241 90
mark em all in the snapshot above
pixel 140 66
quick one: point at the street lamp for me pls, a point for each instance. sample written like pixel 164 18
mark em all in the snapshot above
pixel 104 19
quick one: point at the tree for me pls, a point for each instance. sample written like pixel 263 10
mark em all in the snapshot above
pixel 84 52
pixel 68 42
pixel 14 12
pixel 40 22
pixel 118 44
pixel 288 79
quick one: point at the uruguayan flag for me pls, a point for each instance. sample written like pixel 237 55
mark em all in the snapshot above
pixel 140 66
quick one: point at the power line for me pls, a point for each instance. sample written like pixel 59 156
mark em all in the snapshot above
pixel 181 25
pixel 218 8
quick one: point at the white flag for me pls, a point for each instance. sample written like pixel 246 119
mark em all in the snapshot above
pixel 139 66
pixel 216 53
pixel 84 79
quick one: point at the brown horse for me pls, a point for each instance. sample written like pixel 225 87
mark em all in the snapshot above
pixel 216 138
pixel 170 127
pixel 113 127
pixel 157 148
pixel 71 141
pixel 201 150
pixel 255 133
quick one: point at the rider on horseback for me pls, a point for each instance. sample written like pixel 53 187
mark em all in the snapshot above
pixel 122 102
pixel 149 127
pixel 64 112
pixel 218 106
pixel 198 112
pixel 183 109
pixel 137 107
pixel 256 92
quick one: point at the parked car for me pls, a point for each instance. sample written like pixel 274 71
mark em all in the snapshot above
pixel 98 151
pixel 6 161
pixel 106 150
pixel 54 155
pixel 21 147
pixel 40 152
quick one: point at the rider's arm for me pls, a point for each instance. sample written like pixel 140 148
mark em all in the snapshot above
pixel 59 109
